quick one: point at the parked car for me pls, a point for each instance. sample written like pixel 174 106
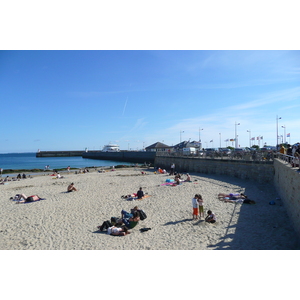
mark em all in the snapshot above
pixel 238 152
pixel 224 151
pixel 211 151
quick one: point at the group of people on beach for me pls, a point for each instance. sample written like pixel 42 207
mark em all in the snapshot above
pixel 198 210
pixel 121 226
pixel 139 195
pixel 17 178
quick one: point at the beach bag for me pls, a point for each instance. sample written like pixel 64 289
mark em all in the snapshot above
pixel 143 215
pixel 114 220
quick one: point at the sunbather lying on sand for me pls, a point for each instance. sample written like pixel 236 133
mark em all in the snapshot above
pixel 231 196
pixel 22 198
pixel 118 230
pixel 240 200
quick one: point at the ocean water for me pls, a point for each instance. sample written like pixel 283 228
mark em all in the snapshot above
pixel 29 161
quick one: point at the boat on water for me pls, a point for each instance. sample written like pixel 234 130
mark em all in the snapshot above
pixel 111 148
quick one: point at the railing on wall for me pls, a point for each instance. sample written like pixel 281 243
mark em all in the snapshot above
pixel 247 156
pixel 293 161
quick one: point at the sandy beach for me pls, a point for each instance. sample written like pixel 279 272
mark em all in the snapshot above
pixel 67 221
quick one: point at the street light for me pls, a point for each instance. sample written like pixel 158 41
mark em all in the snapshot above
pixel 236 139
pixel 199 134
pixel 249 138
pixel 277 131
pixel 220 140
pixel 284 133
pixel 180 135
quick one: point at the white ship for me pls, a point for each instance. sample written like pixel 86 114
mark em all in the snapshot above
pixel 111 148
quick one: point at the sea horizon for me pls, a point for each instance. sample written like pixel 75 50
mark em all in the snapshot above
pixel 29 161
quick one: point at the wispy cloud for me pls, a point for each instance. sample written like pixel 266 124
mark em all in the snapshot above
pixel 271 98
pixel 124 106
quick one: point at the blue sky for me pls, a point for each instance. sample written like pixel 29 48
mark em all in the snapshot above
pixel 72 100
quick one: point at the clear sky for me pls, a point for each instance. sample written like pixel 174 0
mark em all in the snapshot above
pixel 72 100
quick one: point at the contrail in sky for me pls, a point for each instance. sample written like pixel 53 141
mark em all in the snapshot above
pixel 125 106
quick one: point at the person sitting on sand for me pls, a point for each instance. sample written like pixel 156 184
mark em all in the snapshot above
pixel 71 188
pixel 140 193
pixel 177 179
pixel 188 178
pixel 130 220
pixel 7 179
pixel 210 218
pixel 22 198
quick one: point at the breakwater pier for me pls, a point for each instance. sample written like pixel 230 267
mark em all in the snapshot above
pixel 125 156
pixel 58 153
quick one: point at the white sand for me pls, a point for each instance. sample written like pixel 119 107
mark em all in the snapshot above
pixel 69 220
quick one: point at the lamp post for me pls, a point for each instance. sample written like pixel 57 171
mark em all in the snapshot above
pixel 284 133
pixel 180 134
pixel 236 137
pixel 277 131
pixel 220 140
pixel 249 138
pixel 199 134
pixel 200 143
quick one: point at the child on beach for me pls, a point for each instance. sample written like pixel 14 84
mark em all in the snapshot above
pixel 211 217
pixel 200 202
pixel 195 207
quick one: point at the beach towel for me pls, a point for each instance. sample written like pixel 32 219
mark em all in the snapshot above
pixel 169 180
pixel 146 196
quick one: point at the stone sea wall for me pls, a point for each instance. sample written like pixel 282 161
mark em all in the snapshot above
pixel 261 171
pixel 287 184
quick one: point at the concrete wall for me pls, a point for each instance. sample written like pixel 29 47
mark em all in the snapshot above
pixel 262 171
pixel 287 184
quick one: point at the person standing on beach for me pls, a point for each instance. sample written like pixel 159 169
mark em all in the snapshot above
pixel 172 169
pixel 200 202
pixel 195 207
pixel 68 168
pixel 1 170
